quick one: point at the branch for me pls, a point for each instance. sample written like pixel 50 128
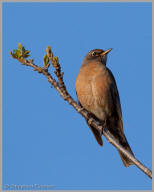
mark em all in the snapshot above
pixel 21 54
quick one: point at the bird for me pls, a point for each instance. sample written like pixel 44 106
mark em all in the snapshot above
pixel 97 92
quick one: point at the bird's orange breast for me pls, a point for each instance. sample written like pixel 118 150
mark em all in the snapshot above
pixel 92 87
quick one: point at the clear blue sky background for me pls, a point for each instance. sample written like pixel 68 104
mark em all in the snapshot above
pixel 44 140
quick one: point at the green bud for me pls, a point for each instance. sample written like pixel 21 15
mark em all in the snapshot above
pixel 19 46
pixel 55 59
pixel 46 61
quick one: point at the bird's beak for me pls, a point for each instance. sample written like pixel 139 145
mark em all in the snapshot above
pixel 106 52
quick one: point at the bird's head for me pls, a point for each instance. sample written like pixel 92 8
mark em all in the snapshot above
pixel 97 55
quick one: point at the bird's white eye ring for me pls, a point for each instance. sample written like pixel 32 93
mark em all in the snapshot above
pixel 93 53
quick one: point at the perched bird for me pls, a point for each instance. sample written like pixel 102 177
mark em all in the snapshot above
pixel 97 92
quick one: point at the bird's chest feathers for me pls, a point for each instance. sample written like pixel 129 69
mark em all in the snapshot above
pixel 92 86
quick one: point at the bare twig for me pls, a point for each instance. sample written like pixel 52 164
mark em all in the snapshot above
pixel 61 88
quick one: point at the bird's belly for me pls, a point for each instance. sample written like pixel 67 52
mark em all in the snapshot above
pixel 92 105
pixel 92 99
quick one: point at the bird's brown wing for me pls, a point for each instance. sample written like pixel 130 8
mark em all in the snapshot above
pixel 116 123
pixel 117 113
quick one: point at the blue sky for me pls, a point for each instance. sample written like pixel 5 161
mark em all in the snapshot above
pixel 45 141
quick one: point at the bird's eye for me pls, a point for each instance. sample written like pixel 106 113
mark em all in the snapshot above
pixel 93 53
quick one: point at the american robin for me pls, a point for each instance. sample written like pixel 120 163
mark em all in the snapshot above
pixel 97 92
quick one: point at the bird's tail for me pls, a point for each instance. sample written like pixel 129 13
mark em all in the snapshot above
pixel 116 129
pixel 126 161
